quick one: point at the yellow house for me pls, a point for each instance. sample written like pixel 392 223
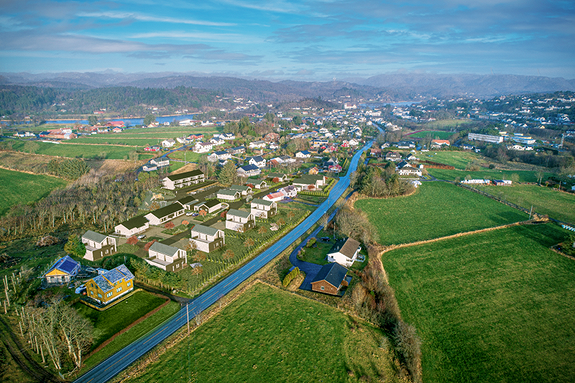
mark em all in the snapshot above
pixel 62 271
pixel 110 285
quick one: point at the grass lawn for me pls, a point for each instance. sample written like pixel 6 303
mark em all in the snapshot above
pixel 492 307
pixel 24 188
pixel 79 150
pixel 135 332
pixel 269 335
pixel 110 321
pixel 544 200
pixel 437 209
pixel 449 123
pixel 317 254
pixel 454 158
pixel 440 135
pixel 450 175
pixel 189 155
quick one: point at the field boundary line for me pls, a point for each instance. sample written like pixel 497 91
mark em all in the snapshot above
pixel 29 172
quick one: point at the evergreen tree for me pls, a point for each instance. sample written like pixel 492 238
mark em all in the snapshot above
pixel 228 174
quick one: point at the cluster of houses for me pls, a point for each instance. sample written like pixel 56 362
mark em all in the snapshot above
pixel 480 181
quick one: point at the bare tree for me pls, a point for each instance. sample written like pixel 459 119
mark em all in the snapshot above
pixel 76 332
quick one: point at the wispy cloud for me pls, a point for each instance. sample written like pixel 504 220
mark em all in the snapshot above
pixel 158 19
pixel 205 36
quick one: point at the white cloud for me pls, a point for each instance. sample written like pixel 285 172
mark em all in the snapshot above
pixel 141 17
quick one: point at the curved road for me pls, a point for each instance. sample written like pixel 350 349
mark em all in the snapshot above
pixel 110 367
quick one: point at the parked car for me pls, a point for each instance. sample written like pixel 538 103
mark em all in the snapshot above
pixel 141 236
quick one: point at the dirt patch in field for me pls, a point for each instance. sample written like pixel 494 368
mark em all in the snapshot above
pixel 185 168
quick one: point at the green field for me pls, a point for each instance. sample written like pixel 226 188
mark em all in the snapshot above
pixel 112 320
pixel 493 307
pixel 454 158
pixel 494 174
pixel 437 209
pixel 23 188
pixel 450 123
pixel 79 150
pixel 544 200
pixel 269 335
pixel 129 336
pixel 436 135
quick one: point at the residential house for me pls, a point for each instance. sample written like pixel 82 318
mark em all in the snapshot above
pixel 271 137
pixel 406 169
pixel 344 252
pixel 281 177
pixel 287 159
pixel 62 271
pixel 217 141
pixel 393 156
pixel 203 147
pixel 330 279
pixel 303 154
pixel 237 150
pixel 154 148
pixel 219 156
pixel 335 168
pixel 132 226
pixel 187 202
pixel 207 239
pixel 259 183
pixel 168 143
pixel 165 214
pixel 110 285
pixel 258 161
pixel 210 206
pixel 166 257
pixel 289 191
pixel 160 162
pixel 257 145
pixel 274 146
pixel 98 245
pixel 238 220
pixel 181 180
pixel 248 171
pixel 263 209
pixel 245 190
pixel 502 182
pixel 313 170
pixel 228 194
pixel 411 157
pixel 277 196
pixel 439 143
pixel 309 182
pixel 227 136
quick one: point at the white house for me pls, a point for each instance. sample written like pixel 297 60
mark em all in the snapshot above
pixel 238 220
pixel 219 156
pixel 210 206
pixel 203 147
pixel 132 226
pixel 248 171
pixel 165 214
pixel 98 245
pixel 303 154
pixel 168 143
pixel 344 252
pixel 176 181
pixel 258 161
pixel 257 145
pixel 245 190
pixel 217 141
pixel 228 194
pixel 160 161
pixel 406 169
pixel 166 257
pixel 206 238
pixel 263 209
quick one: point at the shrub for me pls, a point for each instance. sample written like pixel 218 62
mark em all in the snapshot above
pixel 132 240
pixel 408 344
pixel 149 244
pixel 275 180
pixel 290 277
pixel 169 225
pixel 311 242
pixel 185 223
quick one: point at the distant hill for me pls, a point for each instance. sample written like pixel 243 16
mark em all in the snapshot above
pixel 384 87
pixel 444 85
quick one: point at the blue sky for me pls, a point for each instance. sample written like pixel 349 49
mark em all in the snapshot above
pixel 305 40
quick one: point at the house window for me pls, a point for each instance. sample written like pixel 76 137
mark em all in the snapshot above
pixel 109 294
pixel 119 289
pixel 99 295
pixel 91 292
pixel 322 288
pixel 129 283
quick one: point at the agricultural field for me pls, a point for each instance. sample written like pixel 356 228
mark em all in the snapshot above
pixel 135 332
pixel 556 204
pixel 23 188
pixel 439 135
pixel 112 320
pixel 454 158
pixel 497 306
pixel 515 175
pixel 85 151
pixel 446 124
pixel 271 335
pixel 437 209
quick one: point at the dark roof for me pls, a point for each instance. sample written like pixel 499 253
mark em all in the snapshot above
pixel 239 213
pixel 211 203
pixel 167 210
pixel 186 199
pixel 205 230
pixel 65 264
pixel 164 249
pixel 346 247
pixel 334 273
pixel 93 236
pixel 107 279
pixel 135 222
pixel 221 152
pixel 255 158
pixel 193 173
pixel 247 168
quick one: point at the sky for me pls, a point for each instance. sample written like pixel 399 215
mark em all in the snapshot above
pixel 302 40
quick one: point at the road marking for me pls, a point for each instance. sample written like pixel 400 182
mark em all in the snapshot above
pixel 125 356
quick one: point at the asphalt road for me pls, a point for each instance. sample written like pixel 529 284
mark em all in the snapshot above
pixel 112 366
